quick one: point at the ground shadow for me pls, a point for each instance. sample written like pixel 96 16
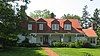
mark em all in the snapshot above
pixel 22 51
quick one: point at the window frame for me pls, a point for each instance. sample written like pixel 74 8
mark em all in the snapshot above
pixel 67 26
pixel 40 26
pixel 55 26
pixel 29 26
pixel 92 40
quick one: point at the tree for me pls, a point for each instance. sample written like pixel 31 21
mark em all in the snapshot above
pixel 9 22
pixel 68 16
pixel 86 21
pixel 96 20
pixel 40 13
pixel 96 17
pixel 52 15
pixel 64 16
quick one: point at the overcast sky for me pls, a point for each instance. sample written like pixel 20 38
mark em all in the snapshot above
pixel 60 7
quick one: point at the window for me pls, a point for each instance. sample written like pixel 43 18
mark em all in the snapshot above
pixel 67 27
pixel 41 39
pixel 40 26
pixel 92 40
pixel 80 35
pixel 29 26
pixel 55 26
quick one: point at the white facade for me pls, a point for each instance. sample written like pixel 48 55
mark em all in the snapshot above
pixel 63 38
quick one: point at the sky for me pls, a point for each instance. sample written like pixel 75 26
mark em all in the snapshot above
pixel 61 7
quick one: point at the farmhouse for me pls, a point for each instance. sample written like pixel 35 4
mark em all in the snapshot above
pixel 44 31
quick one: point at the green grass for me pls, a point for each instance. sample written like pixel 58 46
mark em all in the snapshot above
pixel 23 52
pixel 76 51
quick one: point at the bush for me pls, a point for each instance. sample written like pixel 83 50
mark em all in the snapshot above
pixel 71 45
pixel 87 45
pixel 29 45
pixel 87 54
pixel 78 44
pixel 58 44
pixel 63 44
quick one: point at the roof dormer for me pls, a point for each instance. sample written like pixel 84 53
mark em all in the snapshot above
pixel 67 25
pixel 41 20
pixel 55 24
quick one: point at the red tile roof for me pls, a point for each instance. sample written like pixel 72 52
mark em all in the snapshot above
pixel 90 32
pixel 75 24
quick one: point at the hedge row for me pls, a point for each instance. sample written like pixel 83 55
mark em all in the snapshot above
pixel 76 44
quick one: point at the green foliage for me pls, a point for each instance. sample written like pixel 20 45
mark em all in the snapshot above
pixel 40 13
pixel 87 45
pixel 96 18
pixel 68 16
pixel 85 20
pixel 23 51
pixel 52 15
pixel 7 25
pixel 58 44
pixel 76 44
pixel 96 21
pixel 79 44
pixel 71 45
pixel 9 22
pixel 77 51
pixel 87 54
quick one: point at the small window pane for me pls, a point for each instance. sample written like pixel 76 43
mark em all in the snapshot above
pixel 67 27
pixel 55 26
pixel 29 26
pixel 40 26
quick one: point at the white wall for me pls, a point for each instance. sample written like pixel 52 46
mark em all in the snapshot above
pixel 80 38
pixel 39 38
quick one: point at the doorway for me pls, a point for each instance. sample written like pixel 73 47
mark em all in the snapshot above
pixel 45 39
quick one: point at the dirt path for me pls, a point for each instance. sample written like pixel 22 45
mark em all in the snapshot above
pixel 50 52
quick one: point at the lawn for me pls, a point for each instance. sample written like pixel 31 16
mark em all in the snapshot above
pixel 23 52
pixel 76 51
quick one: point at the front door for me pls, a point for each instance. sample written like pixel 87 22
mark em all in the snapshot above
pixel 45 39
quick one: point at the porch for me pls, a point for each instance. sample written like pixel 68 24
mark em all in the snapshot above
pixel 48 38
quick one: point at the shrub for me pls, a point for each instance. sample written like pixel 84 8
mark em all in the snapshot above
pixel 76 44
pixel 71 45
pixel 63 44
pixel 87 45
pixel 87 54
pixel 58 44
pixel 79 44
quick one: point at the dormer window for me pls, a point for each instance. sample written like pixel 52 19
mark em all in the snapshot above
pixel 40 26
pixel 29 26
pixel 67 26
pixel 55 26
